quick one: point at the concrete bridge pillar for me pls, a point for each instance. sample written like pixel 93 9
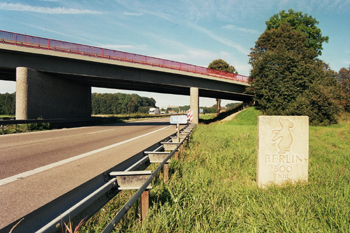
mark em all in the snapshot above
pixel 194 101
pixel 43 95
pixel 218 106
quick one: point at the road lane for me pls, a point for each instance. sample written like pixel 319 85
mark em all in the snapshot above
pixel 71 159
pixel 25 195
pixel 23 152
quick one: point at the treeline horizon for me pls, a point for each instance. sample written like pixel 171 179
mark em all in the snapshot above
pixel 109 104
pixel 118 103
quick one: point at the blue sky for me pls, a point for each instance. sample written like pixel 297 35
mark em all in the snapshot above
pixel 194 32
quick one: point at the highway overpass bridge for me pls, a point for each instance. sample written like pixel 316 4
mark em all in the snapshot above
pixel 54 78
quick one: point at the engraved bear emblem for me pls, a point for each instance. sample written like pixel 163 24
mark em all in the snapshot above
pixel 285 134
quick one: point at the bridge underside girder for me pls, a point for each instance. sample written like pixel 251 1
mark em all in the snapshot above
pixel 10 74
pixel 94 72
pixel 152 87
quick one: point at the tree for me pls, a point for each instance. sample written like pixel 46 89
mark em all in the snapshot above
pixel 120 103
pixel 232 105
pixel 321 101
pixel 222 65
pixel 303 23
pixel 7 103
pixel 344 79
pixel 287 79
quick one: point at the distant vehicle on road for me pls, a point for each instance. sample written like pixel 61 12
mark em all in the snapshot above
pixel 153 111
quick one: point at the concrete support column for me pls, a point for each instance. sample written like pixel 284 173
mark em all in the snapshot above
pixel 43 95
pixel 218 106
pixel 194 101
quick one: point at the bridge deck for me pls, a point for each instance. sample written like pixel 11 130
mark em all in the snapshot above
pixel 86 50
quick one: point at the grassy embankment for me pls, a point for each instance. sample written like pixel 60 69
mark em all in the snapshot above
pixel 213 188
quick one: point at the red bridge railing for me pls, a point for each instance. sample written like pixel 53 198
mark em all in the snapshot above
pixel 86 50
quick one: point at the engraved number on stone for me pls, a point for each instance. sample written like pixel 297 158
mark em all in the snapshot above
pixel 283 168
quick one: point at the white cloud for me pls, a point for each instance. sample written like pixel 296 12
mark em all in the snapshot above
pixel 189 56
pixel 43 10
pixel 204 57
pixel 223 40
pixel 56 32
pixel 132 14
pixel 199 7
pixel 233 27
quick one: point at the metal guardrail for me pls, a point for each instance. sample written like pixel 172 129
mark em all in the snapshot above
pixel 13 121
pixel 90 197
pixel 7 118
pixel 86 50
pixel 142 189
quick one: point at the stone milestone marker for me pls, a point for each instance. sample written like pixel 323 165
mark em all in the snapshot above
pixel 283 149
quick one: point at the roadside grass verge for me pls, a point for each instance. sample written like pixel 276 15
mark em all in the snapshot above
pixel 22 128
pixel 207 116
pixel 132 116
pixel 31 127
pixel 213 189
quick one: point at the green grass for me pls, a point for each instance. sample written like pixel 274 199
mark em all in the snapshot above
pixel 22 128
pixel 213 188
pixel 207 116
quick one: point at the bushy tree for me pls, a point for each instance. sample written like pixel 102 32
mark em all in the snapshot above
pixel 144 109
pixel 303 23
pixel 209 109
pixel 7 103
pixel 287 79
pixel 321 101
pixel 222 65
pixel 232 105
pixel 344 79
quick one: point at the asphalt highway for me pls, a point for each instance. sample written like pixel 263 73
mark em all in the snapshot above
pixel 36 168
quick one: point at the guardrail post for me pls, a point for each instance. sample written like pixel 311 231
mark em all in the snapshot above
pixel 144 205
pixel 178 132
pixel 176 155
pixel 166 173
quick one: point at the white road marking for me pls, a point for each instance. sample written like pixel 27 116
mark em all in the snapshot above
pixel 62 162
pixel 101 131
